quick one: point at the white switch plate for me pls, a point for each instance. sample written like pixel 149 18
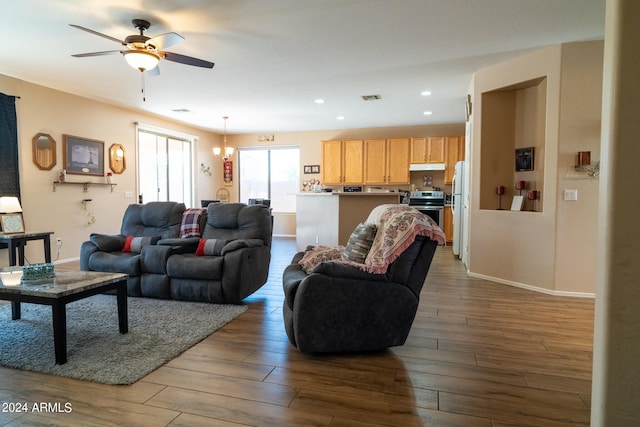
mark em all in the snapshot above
pixel 128 194
pixel 571 195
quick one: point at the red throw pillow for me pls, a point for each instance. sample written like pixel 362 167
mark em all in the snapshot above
pixel 200 250
pixel 127 244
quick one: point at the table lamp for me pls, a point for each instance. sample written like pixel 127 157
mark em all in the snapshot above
pixel 9 204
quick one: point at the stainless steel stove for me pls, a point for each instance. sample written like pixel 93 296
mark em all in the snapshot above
pixel 430 203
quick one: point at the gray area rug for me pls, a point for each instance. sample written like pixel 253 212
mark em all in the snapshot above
pixel 159 330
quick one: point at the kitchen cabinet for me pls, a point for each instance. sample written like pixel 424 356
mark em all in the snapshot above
pixel 454 153
pixel 448 223
pixel 342 162
pixel 428 150
pixel 386 161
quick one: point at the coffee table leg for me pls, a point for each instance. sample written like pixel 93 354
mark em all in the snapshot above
pixel 59 310
pixel 15 310
pixel 123 315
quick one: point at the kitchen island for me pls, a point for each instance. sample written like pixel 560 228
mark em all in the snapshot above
pixel 329 218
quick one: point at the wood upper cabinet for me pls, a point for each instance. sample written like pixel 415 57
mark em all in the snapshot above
pixel 331 162
pixel 418 150
pixel 375 161
pixel 436 147
pixel 352 162
pixel 428 150
pixel 342 162
pixel 386 161
pixel 455 153
pixel 398 161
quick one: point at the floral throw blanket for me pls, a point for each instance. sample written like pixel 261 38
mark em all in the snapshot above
pixel 398 226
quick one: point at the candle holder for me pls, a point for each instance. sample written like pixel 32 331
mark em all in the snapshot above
pixel 500 192
pixel 533 195
pixel 520 185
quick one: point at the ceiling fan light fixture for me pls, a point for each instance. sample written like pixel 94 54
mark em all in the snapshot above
pixel 141 60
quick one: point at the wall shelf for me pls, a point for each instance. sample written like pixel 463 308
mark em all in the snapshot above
pixel 85 185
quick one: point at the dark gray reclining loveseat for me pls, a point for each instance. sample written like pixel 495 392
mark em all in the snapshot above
pixel 228 262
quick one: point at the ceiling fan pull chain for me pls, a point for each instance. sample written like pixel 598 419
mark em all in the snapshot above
pixel 144 98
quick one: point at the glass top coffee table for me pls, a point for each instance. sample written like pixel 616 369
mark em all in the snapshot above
pixel 66 287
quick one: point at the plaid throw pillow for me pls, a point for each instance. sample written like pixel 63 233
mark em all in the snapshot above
pixel 190 226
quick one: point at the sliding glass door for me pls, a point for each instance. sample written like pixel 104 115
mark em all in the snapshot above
pixel 165 170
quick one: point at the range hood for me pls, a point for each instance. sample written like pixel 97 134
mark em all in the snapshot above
pixel 426 167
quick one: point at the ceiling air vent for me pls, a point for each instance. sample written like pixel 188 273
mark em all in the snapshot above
pixel 181 110
pixel 370 97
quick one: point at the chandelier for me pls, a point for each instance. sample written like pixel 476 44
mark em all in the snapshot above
pixel 228 151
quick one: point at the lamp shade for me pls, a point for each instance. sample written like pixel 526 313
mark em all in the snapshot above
pixel 141 60
pixel 9 204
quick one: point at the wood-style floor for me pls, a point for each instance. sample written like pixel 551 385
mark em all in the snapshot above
pixel 479 354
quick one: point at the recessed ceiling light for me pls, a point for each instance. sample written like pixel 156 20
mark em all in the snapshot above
pixel 319 101
pixel 425 93
pixel 428 113
pixel 340 118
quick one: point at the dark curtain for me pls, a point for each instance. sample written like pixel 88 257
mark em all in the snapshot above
pixel 9 166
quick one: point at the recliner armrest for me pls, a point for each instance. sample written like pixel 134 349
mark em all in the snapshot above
pixel 345 271
pixel 181 245
pixel 234 245
pixel 107 242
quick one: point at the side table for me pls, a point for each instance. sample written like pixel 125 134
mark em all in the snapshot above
pixel 19 240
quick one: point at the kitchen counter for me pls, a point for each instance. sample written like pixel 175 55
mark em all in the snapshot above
pixel 330 218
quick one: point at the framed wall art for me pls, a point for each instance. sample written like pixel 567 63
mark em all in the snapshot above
pixel 83 156
pixel 308 169
pixel 524 159
pixel 12 223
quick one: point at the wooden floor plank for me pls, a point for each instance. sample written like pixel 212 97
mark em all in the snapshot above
pixel 480 354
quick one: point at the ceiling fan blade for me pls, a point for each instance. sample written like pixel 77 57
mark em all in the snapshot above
pixel 188 60
pixel 106 52
pixel 97 33
pixel 164 41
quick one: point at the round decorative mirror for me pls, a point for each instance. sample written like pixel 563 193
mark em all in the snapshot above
pixel 44 151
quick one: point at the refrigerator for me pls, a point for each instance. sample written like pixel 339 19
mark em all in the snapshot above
pixel 458 207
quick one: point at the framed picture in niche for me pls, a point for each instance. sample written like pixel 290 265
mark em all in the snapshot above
pixel 524 159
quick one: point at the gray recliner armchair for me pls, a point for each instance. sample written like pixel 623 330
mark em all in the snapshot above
pixel 337 306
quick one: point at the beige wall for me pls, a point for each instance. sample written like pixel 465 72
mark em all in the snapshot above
pixel 580 106
pixel 550 250
pixel 40 109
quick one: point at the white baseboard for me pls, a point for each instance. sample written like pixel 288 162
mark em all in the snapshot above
pixel 62 261
pixel 532 288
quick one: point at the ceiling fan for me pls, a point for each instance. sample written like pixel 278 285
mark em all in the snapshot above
pixel 143 53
